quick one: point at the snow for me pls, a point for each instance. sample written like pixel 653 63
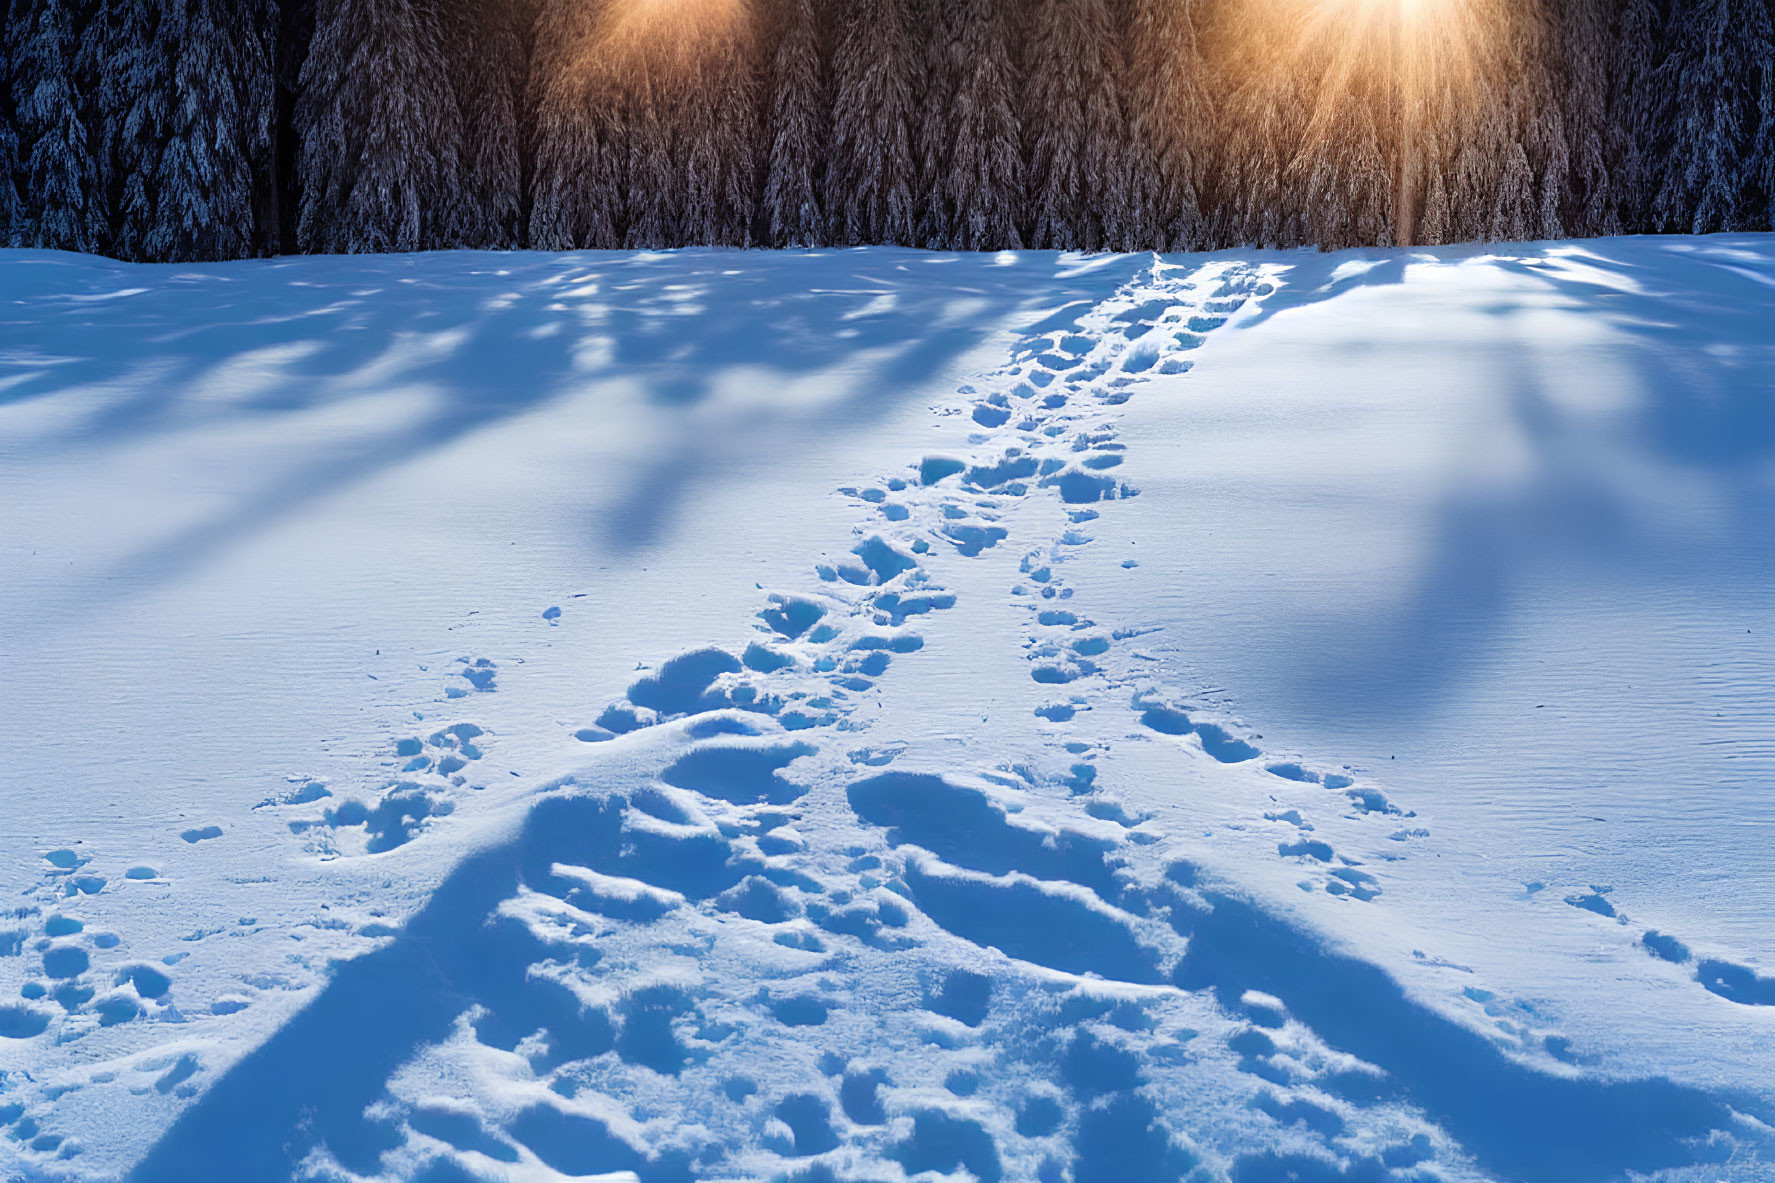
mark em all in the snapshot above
pixel 875 714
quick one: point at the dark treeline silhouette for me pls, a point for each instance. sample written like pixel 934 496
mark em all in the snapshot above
pixel 209 129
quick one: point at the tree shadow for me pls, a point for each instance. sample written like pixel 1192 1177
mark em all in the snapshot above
pixel 1666 492
pixel 308 1086
pixel 1517 1122
pixel 479 339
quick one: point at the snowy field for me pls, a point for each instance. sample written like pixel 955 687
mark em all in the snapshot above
pixel 876 715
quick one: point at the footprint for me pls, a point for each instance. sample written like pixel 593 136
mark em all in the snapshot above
pixel 1216 740
pixel 480 673
pixel 934 469
pixel 1665 947
pixel 1594 900
pixel 971 540
pixel 1078 487
pixel 791 617
pixel 996 476
pixel 1737 983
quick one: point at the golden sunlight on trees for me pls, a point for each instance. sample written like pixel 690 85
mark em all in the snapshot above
pixel 175 129
pixel 647 123
pixel 1348 117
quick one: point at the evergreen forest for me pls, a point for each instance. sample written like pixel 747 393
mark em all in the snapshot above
pixel 181 130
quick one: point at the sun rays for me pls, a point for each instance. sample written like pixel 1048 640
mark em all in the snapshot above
pixel 1361 81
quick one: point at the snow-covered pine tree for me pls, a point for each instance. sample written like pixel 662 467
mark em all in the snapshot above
pixel 1169 113
pixel 12 206
pixel 1433 147
pixel 1721 52
pixel 1472 175
pixel 1343 167
pixel 1432 225
pixel 60 178
pixel 1263 109
pixel 1583 31
pixel 800 123
pixel 1539 116
pixel 653 190
pixel 120 76
pixel 181 99
pixel 487 59
pixel 1762 156
pixel 972 167
pixel 1638 110
pixel 380 130
pixel 1473 122
pixel 1345 179
pixel 686 89
pixel 223 84
pixel 939 24
pixel 1077 138
pixel 1515 212
pixel 719 130
pixel 581 156
pixel 872 171
pixel 12 210
pixel 986 179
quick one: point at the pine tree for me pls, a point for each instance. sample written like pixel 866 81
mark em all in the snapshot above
pixel 1639 109
pixel 223 83
pixel 12 210
pixel 719 134
pixel 1264 117
pixel 1433 151
pixel 1721 53
pixel 181 102
pixel 972 175
pixel 380 130
pixel 578 191
pixel 871 174
pixel 1539 119
pixel 12 206
pixel 1487 120
pixel 121 75
pixel 486 56
pixel 941 25
pixel 653 189
pixel 1514 212
pixel 1077 138
pixel 799 129
pixel 1345 180
pixel 1169 114
pixel 682 86
pixel 60 190
pixel 1433 224
pixel 1589 205
pixel 1343 169
pixel 1762 160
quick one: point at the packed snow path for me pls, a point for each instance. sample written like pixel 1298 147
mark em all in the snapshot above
pixel 780 910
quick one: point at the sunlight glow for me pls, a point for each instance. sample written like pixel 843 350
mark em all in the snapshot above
pixel 671 24
pixel 655 43
pixel 1380 72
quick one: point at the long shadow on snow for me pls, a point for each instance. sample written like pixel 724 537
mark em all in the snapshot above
pixel 487 337
pixel 1686 318
pixel 1519 1123
pixel 309 1084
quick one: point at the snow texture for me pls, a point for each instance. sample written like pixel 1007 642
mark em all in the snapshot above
pixel 875 715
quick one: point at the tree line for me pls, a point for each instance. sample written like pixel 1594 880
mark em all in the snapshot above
pixel 175 130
